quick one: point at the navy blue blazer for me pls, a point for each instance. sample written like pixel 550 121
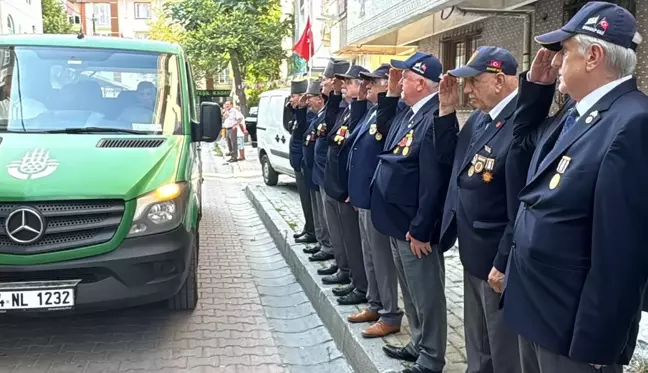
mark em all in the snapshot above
pixel 321 143
pixel 300 123
pixel 480 208
pixel 368 141
pixel 410 183
pixel 308 148
pixel 336 186
pixel 579 266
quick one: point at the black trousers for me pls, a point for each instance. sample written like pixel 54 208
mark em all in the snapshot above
pixel 304 198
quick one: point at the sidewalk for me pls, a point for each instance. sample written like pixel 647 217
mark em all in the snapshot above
pixel 280 211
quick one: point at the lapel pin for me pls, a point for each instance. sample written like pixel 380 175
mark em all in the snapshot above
pixel 498 125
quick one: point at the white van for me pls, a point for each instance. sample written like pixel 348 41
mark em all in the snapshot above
pixel 273 137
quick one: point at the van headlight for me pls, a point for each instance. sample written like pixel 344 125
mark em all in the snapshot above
pixel 160 210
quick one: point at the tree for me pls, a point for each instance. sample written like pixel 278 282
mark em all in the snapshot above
pixel 55 19
pixel 246 34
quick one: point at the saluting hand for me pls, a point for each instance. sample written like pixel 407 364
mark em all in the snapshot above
pixel 303 101
pixel 337 86
pixel 362 92
pixel 496 280
pixel 394 87
pixel 542 69
pixel 448 95
pixel 419 249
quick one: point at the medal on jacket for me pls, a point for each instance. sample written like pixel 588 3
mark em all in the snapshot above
pixel 489 166
pixel 562 166
pixel 341 134
pixel 373 131
pixel 409 138
pixel 321 129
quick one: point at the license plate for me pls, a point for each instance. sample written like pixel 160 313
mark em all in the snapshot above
pixel 37 295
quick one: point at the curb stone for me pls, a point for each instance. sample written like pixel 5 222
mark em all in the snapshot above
pixel 364 355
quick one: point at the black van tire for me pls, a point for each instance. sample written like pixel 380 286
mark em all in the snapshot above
pixel 187 298
pixel 270 176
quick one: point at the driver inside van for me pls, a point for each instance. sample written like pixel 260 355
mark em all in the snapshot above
pixel 141 111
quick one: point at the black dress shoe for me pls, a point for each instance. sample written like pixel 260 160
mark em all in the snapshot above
pixel 297 235
pixel 313 250
pixel 400 353
pixel 327 271
pixel 340 278
pixel 307 238
pixel 418 369
pixel 344 290
pixel 320 256
pixel 352 299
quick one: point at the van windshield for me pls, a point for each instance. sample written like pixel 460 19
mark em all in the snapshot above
pixel 56 89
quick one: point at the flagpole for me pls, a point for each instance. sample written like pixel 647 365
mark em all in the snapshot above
pixel 311 47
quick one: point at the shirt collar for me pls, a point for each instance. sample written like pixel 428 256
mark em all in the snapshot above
pixel 497 110
pixel 596 95
pixel 417 106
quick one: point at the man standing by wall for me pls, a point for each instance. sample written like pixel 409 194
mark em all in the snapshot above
pixel 579 264
pixel 480 206
pixel 233 119
pixel 407 198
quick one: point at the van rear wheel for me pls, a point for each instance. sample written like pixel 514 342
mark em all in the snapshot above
pixel 187 297
pixel 270 176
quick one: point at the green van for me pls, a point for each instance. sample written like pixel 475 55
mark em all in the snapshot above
pixel 100 173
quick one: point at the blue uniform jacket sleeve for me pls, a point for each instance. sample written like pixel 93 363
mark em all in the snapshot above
pixel 433 185
pixel 301 114
pixel 387 110
pixel 332 110
pixel 613 291
pixel 446 131
pixel 517 167
pixel 358 111
pixel 533 105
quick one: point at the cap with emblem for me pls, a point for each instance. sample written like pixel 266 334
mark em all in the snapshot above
pixel 487 60
pixel 298 87
pixel 381 72
pixel 314 88
pixel 601 20
pixel 423 64
pixel 353 72
pixel 336 67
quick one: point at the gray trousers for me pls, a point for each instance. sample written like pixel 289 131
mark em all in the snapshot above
pixel 423 286
pixel 305 201
pixel 231 136
pixel 335 231
pixel 319 221
pixel 536 359
pixel 228 139
pixel 382 289
pixel 345 229
pixel 490 346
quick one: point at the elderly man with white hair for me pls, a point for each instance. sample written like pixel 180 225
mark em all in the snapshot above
pixel 579 264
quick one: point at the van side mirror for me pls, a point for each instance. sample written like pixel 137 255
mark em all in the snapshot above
pixel 288 118
pixel 211 123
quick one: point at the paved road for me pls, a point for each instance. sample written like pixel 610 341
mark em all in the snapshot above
pixel 252 317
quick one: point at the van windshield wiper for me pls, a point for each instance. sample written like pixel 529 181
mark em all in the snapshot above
pixel 96 130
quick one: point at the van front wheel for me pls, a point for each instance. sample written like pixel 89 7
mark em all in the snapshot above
pixel 270 176
pixel 187 297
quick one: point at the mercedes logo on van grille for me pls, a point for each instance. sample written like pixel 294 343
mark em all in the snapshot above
pixel 25 225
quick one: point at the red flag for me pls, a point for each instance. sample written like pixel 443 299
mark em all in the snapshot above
pixel 305 47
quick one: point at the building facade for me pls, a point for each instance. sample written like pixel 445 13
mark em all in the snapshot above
pixel 21 17
pixel 453 29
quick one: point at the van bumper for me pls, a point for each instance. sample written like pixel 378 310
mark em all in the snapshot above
pixel 141 270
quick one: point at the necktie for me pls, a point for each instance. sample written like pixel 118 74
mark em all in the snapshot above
pixel 570 120
pixel 479 129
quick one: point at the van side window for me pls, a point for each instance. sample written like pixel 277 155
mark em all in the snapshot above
pixel 192 93
pixel 277 103
pixel 262 115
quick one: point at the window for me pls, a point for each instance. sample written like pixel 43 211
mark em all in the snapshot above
pixel 53 88
pixel 223 77
pixel 143 10
pixel 11 27
pixel 193 98
pixel 75 20
pixel 101 14
pixel 342 8
pixel 456 53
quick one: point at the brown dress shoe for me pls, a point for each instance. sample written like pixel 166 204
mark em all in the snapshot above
pixel 380 329
pixel 364 316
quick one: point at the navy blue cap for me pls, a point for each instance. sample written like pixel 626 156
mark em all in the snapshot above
pixel 353 72
pixel 381 72
pixel 423 64
pixel 487 60
pixel 604 21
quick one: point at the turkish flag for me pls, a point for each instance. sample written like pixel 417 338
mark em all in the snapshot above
pixel 305 47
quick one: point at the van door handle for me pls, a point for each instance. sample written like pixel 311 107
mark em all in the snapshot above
pixel 283 139
pixel 277 138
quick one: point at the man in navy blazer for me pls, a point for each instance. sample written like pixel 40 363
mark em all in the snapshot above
pixel 480 206
pixel 319 166
pixel 578 266
pixel 407 197
pixel 343 219
pixel 316 104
